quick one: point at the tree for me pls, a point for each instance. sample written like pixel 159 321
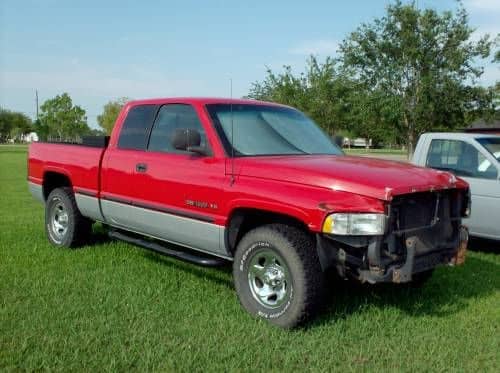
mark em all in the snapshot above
pixel 13 125
pixel 320 92
pixel 285 88
pixel 373 116
pixel 493 105
pixel 486 104
pixel 109 114
pixel 496 54
pixel 423 61
pixel 41 129
pixel 97 132
pixel 5 125
pixel 62 119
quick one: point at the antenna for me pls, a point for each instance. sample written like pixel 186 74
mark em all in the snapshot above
pixel 232 131
pixel 36 100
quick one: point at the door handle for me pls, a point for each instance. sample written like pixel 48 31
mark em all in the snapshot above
pixel 141 167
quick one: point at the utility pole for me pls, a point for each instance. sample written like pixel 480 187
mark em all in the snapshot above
pixel 36 98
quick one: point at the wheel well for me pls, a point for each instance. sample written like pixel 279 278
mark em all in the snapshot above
pixel 243 220
pixel 53 180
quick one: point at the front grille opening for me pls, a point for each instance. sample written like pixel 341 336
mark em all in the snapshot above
pixel 425 209
pixel 434 217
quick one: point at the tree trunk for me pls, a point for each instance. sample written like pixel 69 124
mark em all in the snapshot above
pixel 410 142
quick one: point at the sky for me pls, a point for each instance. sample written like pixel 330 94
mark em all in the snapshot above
pixel 102 50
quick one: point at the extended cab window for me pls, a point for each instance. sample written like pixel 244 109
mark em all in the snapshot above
pixel 172 117
pixel 136 127
pixel 461 158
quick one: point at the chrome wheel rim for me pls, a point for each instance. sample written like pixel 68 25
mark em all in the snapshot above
pixel 58 220
pixel 269 279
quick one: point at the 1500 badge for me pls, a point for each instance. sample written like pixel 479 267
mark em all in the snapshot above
pixel 201 204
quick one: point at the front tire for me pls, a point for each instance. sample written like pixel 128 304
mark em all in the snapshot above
pixel 277 275
pixel 64 224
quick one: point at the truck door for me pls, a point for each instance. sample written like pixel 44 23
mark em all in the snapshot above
pixel 178 194
pixel 470 162
pixel 120 163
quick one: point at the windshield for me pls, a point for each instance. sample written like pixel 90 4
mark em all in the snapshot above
pixel 268 130
pixel 492 144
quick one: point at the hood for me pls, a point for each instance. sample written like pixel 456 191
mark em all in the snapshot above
pixel 369 177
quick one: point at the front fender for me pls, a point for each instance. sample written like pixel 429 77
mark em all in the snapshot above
pixel 308 204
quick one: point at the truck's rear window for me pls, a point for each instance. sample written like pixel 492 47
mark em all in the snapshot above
pixel 136 127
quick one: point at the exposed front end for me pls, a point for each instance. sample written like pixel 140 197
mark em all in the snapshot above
pixel 417 232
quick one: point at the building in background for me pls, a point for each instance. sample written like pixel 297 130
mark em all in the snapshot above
pixel 482 126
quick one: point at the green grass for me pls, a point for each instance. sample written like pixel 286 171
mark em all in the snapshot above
pixel 112 306
pixel 375 151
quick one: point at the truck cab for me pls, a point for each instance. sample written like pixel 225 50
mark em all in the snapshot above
pixel 474 158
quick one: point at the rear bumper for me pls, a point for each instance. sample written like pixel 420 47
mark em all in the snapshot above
pixel 369 263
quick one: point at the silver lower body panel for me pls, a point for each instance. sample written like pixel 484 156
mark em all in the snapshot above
pixel 199 235
pixel 36 191
pixel 89 206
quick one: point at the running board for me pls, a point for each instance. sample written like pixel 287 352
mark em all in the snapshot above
pixel 202 260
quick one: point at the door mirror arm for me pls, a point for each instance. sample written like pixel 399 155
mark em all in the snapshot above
pixel 201 150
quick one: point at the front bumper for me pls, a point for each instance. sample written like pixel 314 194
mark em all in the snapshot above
pixel 365 258
pixel 423 230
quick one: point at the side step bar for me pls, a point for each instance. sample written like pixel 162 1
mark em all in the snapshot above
pixel 202 260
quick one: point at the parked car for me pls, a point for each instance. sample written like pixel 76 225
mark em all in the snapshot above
pixel 361 142
pixel 475 158
pixel 258 184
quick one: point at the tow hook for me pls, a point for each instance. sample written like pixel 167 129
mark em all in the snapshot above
pixel 459 257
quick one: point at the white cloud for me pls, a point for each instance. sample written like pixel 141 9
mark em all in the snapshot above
pixel 316 47
pixel 486 5
pixel 96 83
pixel 90 88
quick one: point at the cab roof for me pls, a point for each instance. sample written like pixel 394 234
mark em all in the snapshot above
pixel 200 100
pixel 459 135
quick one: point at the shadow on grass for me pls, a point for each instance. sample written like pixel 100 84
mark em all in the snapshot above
pixel 100 236
pixel 484 245
pixel 204 273
pixel 446 293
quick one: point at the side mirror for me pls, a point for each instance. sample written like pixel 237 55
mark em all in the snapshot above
pixel 189 140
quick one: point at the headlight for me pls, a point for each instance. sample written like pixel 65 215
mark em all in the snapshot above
pixel 354 224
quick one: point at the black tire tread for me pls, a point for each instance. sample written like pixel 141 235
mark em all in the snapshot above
pixel 313 277
pixel 305 248
pixel 82 226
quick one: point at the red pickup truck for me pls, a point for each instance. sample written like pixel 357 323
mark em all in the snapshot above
pixel 258 184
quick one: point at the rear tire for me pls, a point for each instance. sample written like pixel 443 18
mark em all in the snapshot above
pixel 277 275
pixel 65 226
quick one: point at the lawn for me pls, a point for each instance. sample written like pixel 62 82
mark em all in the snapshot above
pixel 112 306
pixel 375 151
pixel 385 153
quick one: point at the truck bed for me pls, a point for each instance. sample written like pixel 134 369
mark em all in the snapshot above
pixel 79 163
